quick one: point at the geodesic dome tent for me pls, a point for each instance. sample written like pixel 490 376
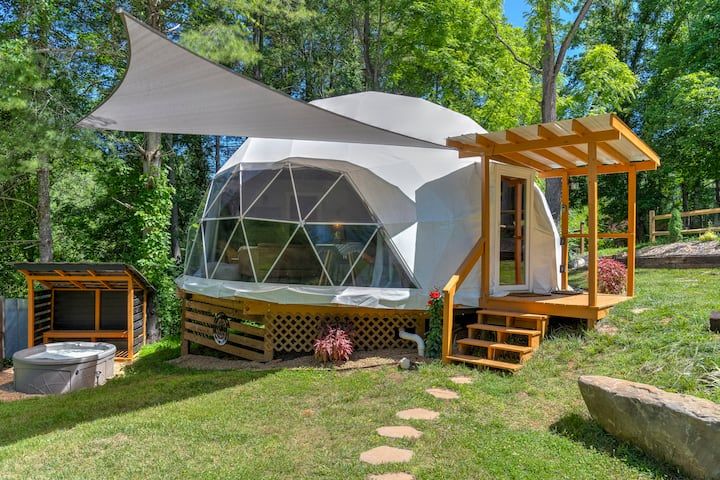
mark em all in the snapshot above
pixel 322 223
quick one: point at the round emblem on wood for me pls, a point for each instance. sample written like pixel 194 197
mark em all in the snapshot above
pixel 220 329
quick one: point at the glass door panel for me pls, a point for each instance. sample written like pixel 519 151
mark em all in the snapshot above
pixel 513 230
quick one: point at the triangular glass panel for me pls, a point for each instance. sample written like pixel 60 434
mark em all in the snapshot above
pixel 216 187
pixel 310 186
pixel 266 241
pixel 298 264
pixel 195 263
pixel 227 256
pixel 341 205
pixel 277 202
pixel 254 182
pixel 338 247
pixel 227 201
pixel 379 266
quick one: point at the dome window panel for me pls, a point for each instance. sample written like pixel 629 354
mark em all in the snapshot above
pixel 195 265
pixel 277 201
pixel 266 240
pixel 227 201
pixel 298 264
pixel 216 187
pixel 338 247
pixel 342 204
pixel 227 257
pixel 254 182
pixel 311 184
pixel 379 266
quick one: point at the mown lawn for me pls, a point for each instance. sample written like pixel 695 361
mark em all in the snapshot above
pixel 165 422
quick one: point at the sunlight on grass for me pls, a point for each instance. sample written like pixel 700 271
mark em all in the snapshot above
pixel 168 422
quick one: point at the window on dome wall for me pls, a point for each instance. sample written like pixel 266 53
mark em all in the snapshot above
pixel 292 225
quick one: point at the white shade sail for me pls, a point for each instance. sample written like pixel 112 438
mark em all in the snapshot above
pixel 168 89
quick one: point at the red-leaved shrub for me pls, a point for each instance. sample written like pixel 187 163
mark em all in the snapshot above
pixel 611 276
pixel 334 345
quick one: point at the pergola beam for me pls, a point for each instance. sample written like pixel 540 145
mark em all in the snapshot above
pixel 601 169
pixel 559 141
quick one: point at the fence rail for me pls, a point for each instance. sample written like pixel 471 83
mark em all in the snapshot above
pixel 654 233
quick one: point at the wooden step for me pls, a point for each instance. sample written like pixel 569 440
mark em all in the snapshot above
pixel 508 313
pixel 484 362
pixel 508 330
pixel 474 342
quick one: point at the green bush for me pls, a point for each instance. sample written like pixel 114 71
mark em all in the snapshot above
pixel 708 235
pixel 675 226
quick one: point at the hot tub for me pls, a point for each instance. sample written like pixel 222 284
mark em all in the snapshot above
pixel 63 367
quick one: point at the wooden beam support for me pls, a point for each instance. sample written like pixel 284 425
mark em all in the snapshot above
pixel 632 221
pixel 592 225
pixel 31 313
pixel 630 136
pixel 564 227
pixel 601 169
pixel 97 309
pixel 526 161
pixel 485 264
pixel 559 141
pixel 130 329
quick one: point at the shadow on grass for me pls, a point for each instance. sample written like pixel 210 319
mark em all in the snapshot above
pixel 149 382
pixel 587 432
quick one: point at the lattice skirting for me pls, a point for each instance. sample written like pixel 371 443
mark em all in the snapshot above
pixel 275 329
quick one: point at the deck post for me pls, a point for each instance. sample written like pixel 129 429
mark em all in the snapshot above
pixel 485 261
pixel 130 319
pixel 592 180
pixel 31 312
pixel 652 226
pixel 448 317
pixel 632 220
pixel 564 222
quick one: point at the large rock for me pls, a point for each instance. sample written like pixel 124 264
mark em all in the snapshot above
pixel 679 429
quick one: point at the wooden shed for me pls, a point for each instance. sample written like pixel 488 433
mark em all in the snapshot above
pixel 105 302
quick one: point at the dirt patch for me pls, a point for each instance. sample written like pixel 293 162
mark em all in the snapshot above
pixel 7 387
pixel 606 329
pixel 377 358
pixel 680 249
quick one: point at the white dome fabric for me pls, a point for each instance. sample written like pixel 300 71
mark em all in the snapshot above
pixel 427 200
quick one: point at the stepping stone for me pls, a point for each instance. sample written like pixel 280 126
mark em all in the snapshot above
pixel 638 311
pixel 418 414
pixel 461 380
pixel 385 454
pixel 399 432
pixel 392 476
pixel 442 393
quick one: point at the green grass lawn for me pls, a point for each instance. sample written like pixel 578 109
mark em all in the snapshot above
pixel 161 422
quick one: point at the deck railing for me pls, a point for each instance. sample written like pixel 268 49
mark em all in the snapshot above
pixel 449 290
pixel 693 213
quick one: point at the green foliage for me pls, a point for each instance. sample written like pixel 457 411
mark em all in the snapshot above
pixel 675 226
pixel 433 339
pixel 600 83
pixel 708 235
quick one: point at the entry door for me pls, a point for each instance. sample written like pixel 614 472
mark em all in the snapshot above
pixel 512 228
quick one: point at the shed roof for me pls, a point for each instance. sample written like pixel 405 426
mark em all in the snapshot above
pixel 560 147
pixel 102 276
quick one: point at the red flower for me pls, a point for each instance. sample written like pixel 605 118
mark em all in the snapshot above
pixel 434 295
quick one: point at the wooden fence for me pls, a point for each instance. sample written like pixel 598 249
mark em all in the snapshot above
pixel 654 233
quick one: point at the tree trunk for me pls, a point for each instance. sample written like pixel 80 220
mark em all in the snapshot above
pixel 44 215
pixel 548 108
pixel 217 153
pixel 174 223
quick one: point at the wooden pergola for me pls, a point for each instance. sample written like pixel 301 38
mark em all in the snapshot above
pixel 589 146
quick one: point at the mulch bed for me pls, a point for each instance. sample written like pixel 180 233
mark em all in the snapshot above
pixel 373 359
pixel 7 388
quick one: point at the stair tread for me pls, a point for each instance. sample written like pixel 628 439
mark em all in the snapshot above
pixel 508 313
pixel 499 328
pixel 474 342
pixel 513 367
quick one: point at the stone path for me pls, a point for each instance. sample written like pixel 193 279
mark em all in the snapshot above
pixel 399 432
pixel 418 414
pixel 386 454
pixel 442 393
pixel 461 380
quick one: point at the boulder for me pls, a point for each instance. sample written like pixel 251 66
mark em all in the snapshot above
pixel 679 429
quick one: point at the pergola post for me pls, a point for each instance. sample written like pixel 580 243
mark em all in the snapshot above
pixel 485 261
pixel 592 225
pixel 632 222
pixel 564 226
pixel 31 313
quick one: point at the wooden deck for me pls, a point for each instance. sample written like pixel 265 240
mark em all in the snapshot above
pixel 572 306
